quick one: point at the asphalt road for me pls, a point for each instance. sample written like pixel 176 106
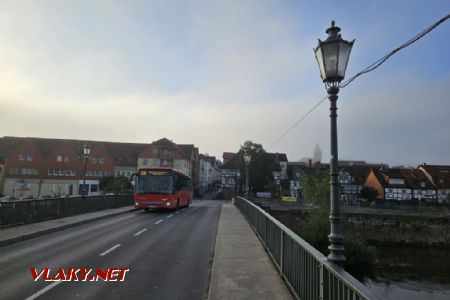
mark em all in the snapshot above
pixel 169 256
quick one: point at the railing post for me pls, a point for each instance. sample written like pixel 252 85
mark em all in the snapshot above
pixel 321 283
pixel 282 253
pixel 265 229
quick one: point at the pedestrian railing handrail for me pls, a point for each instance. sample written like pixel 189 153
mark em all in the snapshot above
pixel 13 213
pixel 305 270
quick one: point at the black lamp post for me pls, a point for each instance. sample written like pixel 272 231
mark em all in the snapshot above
pixel 238 175
pixel 247 159
pixel 332 56
pixel 86 153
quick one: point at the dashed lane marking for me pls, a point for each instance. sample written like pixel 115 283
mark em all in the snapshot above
pixel 110 250
pixel 43 291
pixel 139 232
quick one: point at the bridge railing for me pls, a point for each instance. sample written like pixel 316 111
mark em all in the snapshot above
pixel 13 213
pixel 306 271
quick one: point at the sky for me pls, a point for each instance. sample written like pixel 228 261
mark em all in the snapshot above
pixel 218 73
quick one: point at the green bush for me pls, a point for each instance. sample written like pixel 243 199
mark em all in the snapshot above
pixel 316 190
pixel 358 254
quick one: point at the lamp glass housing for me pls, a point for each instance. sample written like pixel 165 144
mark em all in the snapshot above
pixel 86 150
pixel 332 56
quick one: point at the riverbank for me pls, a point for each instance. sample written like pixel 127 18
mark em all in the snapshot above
pixel 385 227
pixel 402 270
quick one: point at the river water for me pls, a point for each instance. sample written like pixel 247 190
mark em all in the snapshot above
pixel 400 272
pixel 409 273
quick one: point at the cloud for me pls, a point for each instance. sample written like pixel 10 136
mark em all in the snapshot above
pixel 212 73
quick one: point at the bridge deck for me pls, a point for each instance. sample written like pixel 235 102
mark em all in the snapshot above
pixel 241 268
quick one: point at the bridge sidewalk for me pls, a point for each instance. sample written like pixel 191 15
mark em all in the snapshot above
pixel 241 267
pixel 23 232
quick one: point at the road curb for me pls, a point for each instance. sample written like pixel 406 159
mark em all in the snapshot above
pixel 51 230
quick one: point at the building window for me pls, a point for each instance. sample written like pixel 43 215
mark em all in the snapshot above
pixel 50 172
pixel 29 157
pixel 155 151
pixel 166 153
pixel 59 158
pixel 21 156
pixel 145 161
pixel 155 162
pixel 67 172
pixel 101 160
pixel 94 160
pixel 66 159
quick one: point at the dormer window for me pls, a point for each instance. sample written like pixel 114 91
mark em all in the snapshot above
pixel 59 158
pixel 29 157
pixel 396 181
pixel 21 156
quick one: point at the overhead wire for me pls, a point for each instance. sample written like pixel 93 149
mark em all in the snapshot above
pixel 366 70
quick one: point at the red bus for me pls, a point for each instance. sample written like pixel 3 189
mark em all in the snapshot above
pixel 162 187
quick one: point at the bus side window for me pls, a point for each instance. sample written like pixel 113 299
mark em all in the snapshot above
pixel 183 183
pixel 177 183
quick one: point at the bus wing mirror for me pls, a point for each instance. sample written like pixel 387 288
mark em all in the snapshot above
pixel 134 179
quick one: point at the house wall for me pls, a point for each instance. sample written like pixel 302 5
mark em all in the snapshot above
pixel 99 164
pixel 23 169
pixel 2 172
pixel 164 156
pixel 397 194
pixel 443 195
pixel 373 182
pixel 124 171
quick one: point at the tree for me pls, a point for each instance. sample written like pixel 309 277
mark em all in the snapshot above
pixel 260 167
pixel 316 191
pixel 369 193
pixel 120 185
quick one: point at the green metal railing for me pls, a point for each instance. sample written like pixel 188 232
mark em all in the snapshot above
pixel 13 213
pixel 306 271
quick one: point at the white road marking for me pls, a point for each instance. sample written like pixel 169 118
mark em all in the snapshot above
pixel 177 212
pixel 110 249
pixel 169 216
pixel 43 291
pixel 157 222
pixel 139 232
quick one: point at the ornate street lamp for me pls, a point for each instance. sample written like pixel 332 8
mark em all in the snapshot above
pixel 332 56
pixel 247 159
pixel 86 153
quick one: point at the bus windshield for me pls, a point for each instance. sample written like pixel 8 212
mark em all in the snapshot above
pixel 150 184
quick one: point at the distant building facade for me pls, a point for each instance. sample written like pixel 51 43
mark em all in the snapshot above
pixel 37 167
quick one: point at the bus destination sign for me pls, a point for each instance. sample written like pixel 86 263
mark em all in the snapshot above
pixel 153 173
